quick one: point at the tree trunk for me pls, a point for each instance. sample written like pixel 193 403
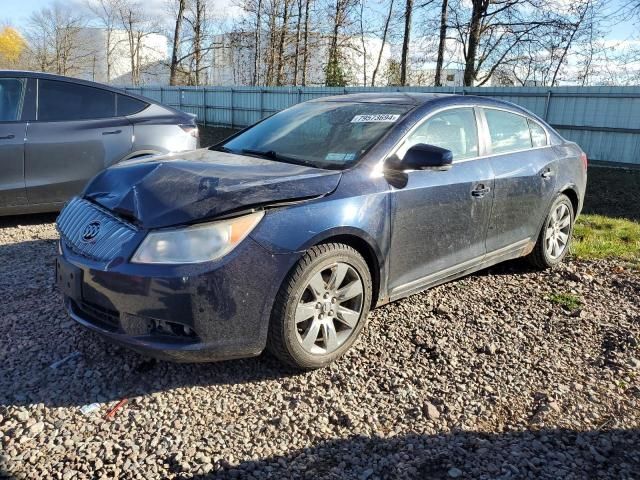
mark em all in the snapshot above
pixel 283 34
pixel 332 61
pixel 384 40
pixel 297 51
pixel 197 39
pixel 271 57
pixel 173 71
pixel 442 43
pixel 364 46
pixel 256 55
pixel 474 39
pixel 408 11
pixel 305 57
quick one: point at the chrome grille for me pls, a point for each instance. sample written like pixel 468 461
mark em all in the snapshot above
pixel 91 231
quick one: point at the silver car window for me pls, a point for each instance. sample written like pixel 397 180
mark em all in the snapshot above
pixel 453 129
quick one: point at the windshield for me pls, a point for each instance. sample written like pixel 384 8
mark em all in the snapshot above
pixel 319 134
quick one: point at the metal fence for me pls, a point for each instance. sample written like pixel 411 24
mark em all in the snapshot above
pixel 604 121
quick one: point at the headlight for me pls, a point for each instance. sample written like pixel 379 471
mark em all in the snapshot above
pixel 199 243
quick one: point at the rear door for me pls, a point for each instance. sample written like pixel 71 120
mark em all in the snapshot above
pixel 13 127
pixel 525 168
pixel 76 135
pixel 440 218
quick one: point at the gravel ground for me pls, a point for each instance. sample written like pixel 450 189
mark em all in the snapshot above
pixel 485 377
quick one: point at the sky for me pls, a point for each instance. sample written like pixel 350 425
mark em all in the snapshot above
pixel 17 12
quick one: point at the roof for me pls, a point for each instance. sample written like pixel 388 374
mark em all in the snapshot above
pixel 397 98
pixel 61 78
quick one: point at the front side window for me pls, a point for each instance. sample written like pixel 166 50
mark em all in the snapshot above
pixel 59 101
pixel 331 135
pixel 11 98
pixel 538 135
pixel 508 131
pixel 454 129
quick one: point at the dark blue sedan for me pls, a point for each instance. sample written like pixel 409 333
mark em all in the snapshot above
pixel 286 234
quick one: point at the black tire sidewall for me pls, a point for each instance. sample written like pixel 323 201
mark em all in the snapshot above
pixel 300 356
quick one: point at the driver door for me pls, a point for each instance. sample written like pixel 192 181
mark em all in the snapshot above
pixel 439 219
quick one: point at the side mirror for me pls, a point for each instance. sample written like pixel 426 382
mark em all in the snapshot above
pixel 426 157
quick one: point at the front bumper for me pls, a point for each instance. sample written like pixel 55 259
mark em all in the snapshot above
pixel 186 314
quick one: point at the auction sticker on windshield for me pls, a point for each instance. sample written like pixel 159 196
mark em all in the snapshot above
pixel 375 117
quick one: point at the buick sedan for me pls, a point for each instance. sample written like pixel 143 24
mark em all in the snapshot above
pixel 285 235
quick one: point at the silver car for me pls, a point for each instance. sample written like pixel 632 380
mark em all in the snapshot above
pixel 56 133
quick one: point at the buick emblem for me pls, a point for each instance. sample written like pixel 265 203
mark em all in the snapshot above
pixel 91 231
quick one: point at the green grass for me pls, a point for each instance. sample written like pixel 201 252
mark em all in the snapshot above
pixel 566 301
pixel 598 237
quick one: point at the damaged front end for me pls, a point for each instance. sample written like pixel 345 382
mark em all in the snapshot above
pixel 203 184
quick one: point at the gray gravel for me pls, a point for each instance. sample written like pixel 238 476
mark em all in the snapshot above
pixel 485 377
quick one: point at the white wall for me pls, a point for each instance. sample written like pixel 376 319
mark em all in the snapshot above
pixel 153 57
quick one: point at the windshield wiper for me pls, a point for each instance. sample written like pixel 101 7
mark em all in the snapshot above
pixel 273 155
pixel 221 149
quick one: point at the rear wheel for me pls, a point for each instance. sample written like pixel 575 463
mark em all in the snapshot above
pixel 321 307
pixel 553 241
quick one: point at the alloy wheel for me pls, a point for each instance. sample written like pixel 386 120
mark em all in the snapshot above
pixel 557 232
pixel 329 309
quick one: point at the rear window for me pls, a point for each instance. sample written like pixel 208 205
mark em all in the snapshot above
pixel 508 131
pixel 129 105
pixel 58 101
pixel 538 135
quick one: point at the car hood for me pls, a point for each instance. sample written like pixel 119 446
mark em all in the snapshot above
pixel 181 188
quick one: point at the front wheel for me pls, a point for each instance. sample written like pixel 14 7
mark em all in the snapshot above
pixel 321 307
pixel 553 241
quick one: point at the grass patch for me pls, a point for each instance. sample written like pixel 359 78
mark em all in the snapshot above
pixel 566 301
pixel 598 236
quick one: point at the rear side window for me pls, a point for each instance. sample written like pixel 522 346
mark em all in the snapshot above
pixel 538 135
pixel 11 98
pixel 453 129
pixel 508 131
pixel 70 101
pixel 129 105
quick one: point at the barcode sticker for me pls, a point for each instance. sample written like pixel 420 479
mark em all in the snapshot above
pixel 375 117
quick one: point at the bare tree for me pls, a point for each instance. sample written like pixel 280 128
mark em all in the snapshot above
pixel 406 40
pixel 55 42
pixel 296 53
pixel 442 42
pixel 305 43
pixel 257 41
pixel 177 31
pixel 106 13
pixel 281 42
pixel 385 31
pixel 340 19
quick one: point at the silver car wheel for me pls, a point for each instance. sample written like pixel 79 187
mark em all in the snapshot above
pixel 329 309
pixel 557 231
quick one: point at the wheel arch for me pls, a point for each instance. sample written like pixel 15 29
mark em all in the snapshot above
pixel 366 246
pixel 571 192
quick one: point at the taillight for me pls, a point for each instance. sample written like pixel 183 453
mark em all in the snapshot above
pixel 585 161
pixel 190 129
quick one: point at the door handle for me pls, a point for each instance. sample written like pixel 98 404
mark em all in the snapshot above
pixel 547 174
pixel 480 191
pixel 112 132
pixel 8 137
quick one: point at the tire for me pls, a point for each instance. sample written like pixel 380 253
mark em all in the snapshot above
pixel 307 330
pixel 544 255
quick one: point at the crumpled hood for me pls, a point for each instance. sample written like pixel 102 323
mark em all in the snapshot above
pixel 181 188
